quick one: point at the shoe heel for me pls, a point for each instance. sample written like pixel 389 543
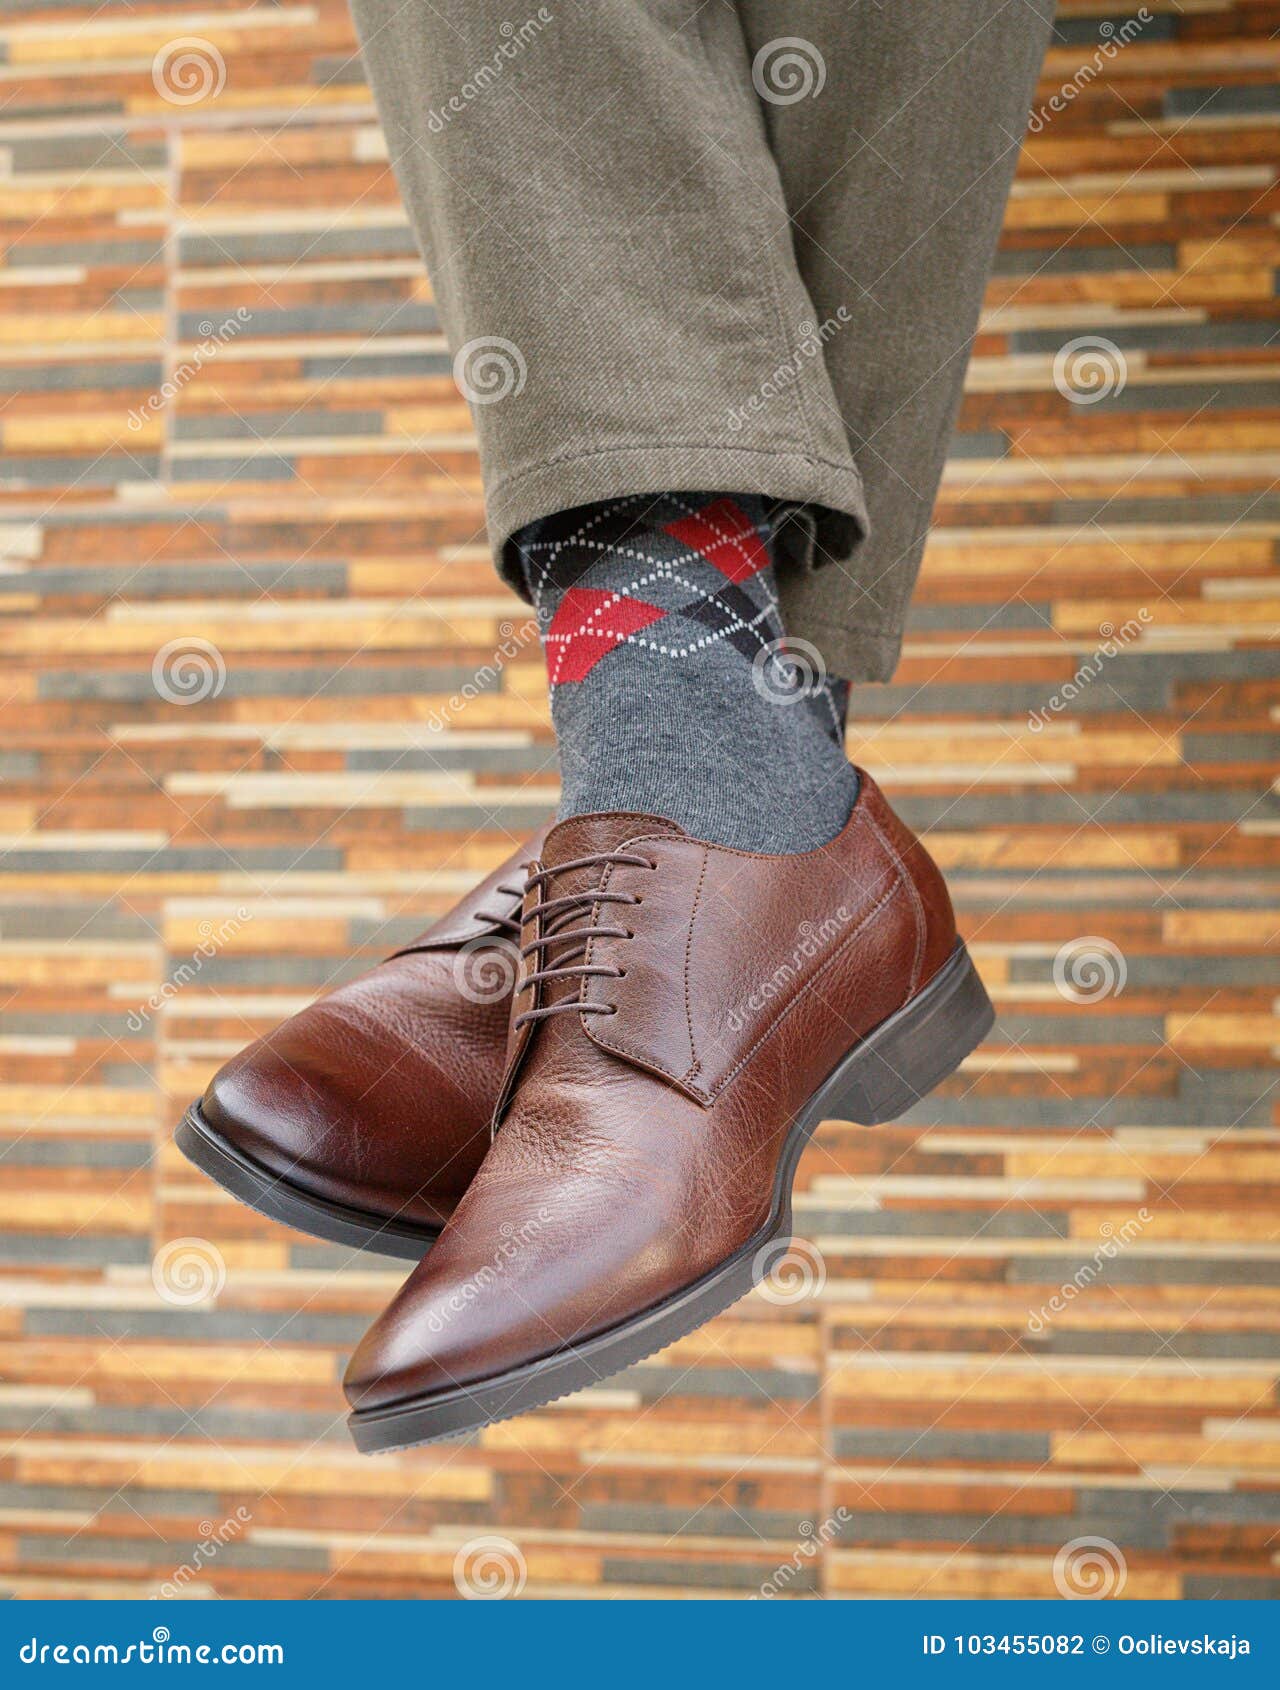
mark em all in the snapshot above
pixel 905 1057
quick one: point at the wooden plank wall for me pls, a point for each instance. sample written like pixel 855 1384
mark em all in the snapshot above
pixel 1046 1308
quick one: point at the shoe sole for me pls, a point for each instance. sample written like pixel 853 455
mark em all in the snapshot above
pixel 886 1073
pixel 280 1200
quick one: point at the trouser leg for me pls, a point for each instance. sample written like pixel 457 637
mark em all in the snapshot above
pixel 611 254
pixel 896 170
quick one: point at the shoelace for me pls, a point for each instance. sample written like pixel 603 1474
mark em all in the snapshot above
pixel 559 913
pixel 508 923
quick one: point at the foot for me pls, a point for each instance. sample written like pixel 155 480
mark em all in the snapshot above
pixel 689 1014
pixel 363 1119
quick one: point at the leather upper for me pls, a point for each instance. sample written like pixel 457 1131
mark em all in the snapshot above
pixel 379 1095
pixel 638 1133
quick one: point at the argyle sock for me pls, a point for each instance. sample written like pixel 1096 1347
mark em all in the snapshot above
pixel 674 691
pixel 838 692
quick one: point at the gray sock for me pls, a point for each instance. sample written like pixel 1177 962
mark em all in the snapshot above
pixel 673 689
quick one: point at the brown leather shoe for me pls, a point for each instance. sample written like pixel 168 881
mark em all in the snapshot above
pixel 691 1013
pixel 362 1119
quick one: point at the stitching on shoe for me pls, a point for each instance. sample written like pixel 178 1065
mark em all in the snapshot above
pixel 702 1094
pixel 615 1045
pixel 877 909
pixel 913 892
pixel 695 1060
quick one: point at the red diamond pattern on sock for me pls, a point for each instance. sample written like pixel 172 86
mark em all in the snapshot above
pixel 726 536
pixel 587 626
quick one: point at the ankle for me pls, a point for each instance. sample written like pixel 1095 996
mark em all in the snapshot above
pixel 672 691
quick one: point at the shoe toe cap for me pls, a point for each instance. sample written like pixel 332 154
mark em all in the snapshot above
pixel 512 1282
pixel 437 1339
pixel 275 1104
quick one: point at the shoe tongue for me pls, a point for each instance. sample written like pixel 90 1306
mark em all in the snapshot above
pixel 587 836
